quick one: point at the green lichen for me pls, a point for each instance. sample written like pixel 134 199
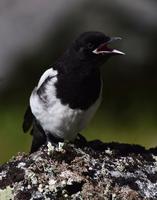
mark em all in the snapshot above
pixel 6 194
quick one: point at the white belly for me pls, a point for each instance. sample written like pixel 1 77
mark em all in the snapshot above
pixel 60 120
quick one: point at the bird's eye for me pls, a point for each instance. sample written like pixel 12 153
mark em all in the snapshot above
pixel 81 49
pixel 90 46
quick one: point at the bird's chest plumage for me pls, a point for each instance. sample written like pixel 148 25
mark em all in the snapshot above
pixel 79 90
pixel 66 105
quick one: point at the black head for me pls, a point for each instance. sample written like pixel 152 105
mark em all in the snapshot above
pixel 93 47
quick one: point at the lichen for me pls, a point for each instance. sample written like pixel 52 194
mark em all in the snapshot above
pixel 6 194
pixel 68 171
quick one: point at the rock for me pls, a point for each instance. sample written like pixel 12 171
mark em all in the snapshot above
pixel 93 170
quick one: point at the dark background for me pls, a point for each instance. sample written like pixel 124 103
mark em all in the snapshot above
pixel 34 33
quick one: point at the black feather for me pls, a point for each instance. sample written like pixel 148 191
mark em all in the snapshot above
pixel 39 137
pixel 28 120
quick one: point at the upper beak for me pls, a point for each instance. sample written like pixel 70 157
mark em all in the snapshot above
pixel 104 49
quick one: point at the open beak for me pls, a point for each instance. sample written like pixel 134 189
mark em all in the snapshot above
pixel 104 49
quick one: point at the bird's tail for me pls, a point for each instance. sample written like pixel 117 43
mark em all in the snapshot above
pixel 39 137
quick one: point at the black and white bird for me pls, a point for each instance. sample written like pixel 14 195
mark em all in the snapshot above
pixel 69 92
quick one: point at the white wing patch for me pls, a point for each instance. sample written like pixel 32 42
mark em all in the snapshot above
pixel 50 72
pixel 36 103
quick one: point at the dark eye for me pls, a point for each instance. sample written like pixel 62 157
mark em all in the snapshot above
pixel 81 49
pixel 90 46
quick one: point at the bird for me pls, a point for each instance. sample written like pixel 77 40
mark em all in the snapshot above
pixel 69 91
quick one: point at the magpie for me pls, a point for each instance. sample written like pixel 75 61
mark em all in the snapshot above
pixel 69 91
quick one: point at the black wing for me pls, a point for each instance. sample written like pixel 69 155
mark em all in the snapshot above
pixel 28 120
pixel 39 137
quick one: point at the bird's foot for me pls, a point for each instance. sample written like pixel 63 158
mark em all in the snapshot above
pixel 54 140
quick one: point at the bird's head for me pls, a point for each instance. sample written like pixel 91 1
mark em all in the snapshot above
pixel 94 47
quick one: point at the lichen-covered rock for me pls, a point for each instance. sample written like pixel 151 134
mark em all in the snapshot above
pixel 92 171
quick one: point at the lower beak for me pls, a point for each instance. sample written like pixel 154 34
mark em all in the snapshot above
pixel 104 49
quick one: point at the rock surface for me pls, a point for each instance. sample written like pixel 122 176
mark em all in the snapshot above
pixel 94 170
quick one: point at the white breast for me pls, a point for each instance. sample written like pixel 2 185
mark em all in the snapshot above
pixel 55 118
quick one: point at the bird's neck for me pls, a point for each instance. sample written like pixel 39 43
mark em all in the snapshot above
pixel 70 62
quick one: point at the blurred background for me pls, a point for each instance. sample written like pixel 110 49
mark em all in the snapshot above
pixel 34 33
